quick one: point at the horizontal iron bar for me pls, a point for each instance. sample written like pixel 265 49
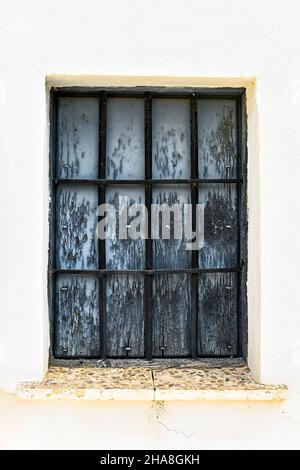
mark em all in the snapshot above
pixel 159 92
pixel 103 272
pixel 165 362
pixel 107 182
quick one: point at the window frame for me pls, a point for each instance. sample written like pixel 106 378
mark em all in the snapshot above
pixel 149 93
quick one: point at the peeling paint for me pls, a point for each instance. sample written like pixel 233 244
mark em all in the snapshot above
pixel 77 147
pixel 125 317
pixel 217 139
pixel 171 311
pixel 217 319
pixel 220 226
pixel 76 239
pixel 125 146
pixel 77 317
pixel 171 139
pixel 129 253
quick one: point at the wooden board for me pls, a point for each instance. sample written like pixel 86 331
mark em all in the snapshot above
pixel 127 253
pixel 171 139
pixel 220 248
pixel 171 312
pixel 125 317
pixel 217 139
pixel 171 253
pixel 217 316
pixel 77 316
pixel 77 138
pixel 125 144
pixel 76 223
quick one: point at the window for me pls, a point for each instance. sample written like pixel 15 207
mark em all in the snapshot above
pixel 147 298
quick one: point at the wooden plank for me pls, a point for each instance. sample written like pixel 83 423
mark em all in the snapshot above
pixel 76 319
pixel 171 312
pixel 125 151
pixel 125 318
pixel 125 141
pixel 220 248
pixel 171 292
pixel 217 139
pixel 218 315
pixel 77 138
pixel 171 253
pixel 124 294
pixel 171 139
pixel 76 223
pixel 127 253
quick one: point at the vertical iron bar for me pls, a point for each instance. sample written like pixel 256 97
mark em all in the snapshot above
pixel 101 243
pixel 52 238
pixel 148 201
pixel 194 201
pixel 243 228
pixel 239 189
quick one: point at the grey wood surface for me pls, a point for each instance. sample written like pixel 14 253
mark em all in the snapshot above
pixel 217 318
pixel 77 318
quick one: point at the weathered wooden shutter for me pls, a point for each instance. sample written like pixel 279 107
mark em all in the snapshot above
pixel 77 330
pixel 218 299
pixel 121 298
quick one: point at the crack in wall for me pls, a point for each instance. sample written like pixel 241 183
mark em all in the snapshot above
pixel 160 406
pixel 179 432
pixel 153 385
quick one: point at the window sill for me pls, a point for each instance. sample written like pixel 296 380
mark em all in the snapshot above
pixel 232 383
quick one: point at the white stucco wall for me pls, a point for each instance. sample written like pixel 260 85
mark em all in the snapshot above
pixel 183 42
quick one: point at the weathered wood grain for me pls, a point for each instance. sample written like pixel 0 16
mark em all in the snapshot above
pixel 217 317
pixel 125 145
pixel 77 316
pixel 171 139
pixel 220 248
pixel 171 253
pixel 171 311
pixel 77 138
pixel 76 321
pixel 127 253
pixel 125 319
pixel 217 139
pixel 171 293
pixel 76 223
pixel 124 294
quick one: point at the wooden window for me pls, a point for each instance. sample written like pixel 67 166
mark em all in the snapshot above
pixel 147 298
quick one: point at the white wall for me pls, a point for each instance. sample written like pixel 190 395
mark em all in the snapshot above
pixel 253 43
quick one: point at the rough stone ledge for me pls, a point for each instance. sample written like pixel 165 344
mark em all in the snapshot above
pixel 85 383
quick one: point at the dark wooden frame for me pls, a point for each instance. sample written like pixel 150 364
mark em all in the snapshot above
pixel 239 95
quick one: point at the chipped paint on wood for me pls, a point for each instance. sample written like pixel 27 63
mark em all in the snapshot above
pixel 125 319
pixel 171 311
pixel 220 226
pixel 77 316
pixel 76 325
pixel 129 253
pixel 77 146
pixel 125 145
pixel 217 140
pixel 171 253
pixel 171 139
pixel 217 319
pixel 76 237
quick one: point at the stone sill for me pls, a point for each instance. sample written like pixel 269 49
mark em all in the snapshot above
pixel 143 383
